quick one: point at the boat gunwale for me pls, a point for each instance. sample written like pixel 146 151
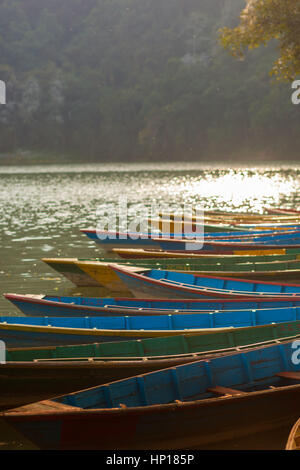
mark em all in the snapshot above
pixel 177 254
pixel 15 415
pixel 117 332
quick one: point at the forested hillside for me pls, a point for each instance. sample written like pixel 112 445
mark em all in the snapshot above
pixel 127 80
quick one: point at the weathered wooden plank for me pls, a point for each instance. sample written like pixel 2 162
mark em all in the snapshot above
pixel 289 375
pixel 225 391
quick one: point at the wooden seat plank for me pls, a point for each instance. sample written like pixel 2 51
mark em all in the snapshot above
pixel 289 375
pixel 225 391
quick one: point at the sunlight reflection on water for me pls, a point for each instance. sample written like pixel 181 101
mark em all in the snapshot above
pixel 43 207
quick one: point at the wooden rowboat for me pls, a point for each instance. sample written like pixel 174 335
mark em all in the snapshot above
pixel 180 229
pixel 39 305
pixel 27 382
pixel 209 216
pixel 183 407
pixel 222 247
pixel 41 373
pixel 135 253
pixel 232 230
pixel 109 240
pixel 209 228
pixel 85 272
pixel 243 226
pixel 39 331
pixel 107 278
pixel 169 284
pixel 293 442
pixel 166 346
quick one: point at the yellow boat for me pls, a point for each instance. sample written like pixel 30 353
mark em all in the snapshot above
pixel 68 268
pixel 106 276
pixel 96 271
pixel 171 226
pixel 102 273
pixel 246 218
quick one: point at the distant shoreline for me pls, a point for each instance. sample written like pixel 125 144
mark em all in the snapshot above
pixel 28 158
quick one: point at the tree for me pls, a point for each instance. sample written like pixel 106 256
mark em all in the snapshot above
pixel 138 79
pixel 262 21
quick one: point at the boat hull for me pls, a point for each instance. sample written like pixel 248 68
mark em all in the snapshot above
pixel 102 272
pixel 222 247
pixel 159 427
pixel 119 240
pixel 35 374
pixel 187 344
pixel 36 306
pixel 95 272
pixel 17 335
pixel 69 269
pixel 22 383
pixel 138 253
pixel 107 278
pixel 169 284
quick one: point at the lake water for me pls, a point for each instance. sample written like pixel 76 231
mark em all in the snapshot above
pixel 42 208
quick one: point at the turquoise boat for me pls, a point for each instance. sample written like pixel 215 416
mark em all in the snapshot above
pixel 170 284
pixel 40 331
pixel 39 305
pixel 225 246
pixel 183 407
pixel 110 240
pixel 40 373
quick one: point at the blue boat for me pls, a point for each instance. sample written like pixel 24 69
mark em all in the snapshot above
pixel 157 283
pixel 261 237
pixel 183 407
pixel 253 234
pixel 38 305
pixel 224 246
pixel 39 331
pixel 274 237
pixel 110 240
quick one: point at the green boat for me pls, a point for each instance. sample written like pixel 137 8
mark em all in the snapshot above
pixel 33 374
pixel 87 272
